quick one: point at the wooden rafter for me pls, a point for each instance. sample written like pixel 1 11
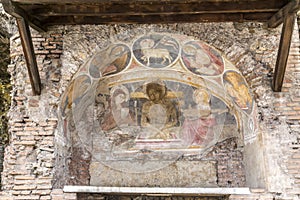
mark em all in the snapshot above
pixel 27 45
pixel 287 16
pixel 16 11
pixel 283 51
pixel 29 56
pixel 279 17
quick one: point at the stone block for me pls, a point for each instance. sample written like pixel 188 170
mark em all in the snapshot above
pixel 179 174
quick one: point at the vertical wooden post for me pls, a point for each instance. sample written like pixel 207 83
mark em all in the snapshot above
pixel 29 56
pixel 283 51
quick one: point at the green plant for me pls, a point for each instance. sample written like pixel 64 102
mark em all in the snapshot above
pixel 5 88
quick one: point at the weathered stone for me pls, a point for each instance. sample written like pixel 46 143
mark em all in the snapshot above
pixel 174 175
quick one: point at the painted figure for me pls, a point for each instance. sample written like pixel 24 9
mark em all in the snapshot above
pixel 158 113
pixel 76 90
pixel 120 106
pixel 238 90
pixel 110 62
pixel 197 127
pixel 104 114
pixel 201 61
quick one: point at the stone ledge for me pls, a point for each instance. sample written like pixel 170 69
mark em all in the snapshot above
pixel 158 190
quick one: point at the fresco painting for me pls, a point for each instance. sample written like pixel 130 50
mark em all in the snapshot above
pixel 202 59
pixel 237 88
pixel 110 61
pixel 155 50
pixel 139 112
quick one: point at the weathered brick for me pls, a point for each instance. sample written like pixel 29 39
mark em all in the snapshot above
pixel 57 197
pixel 41 192
pixel 23 182
pixel 26 143
pixel 24 187
pixel 293 117
pixel 45 52
pixel 38 39
pixel 27 197
pixel 32 128
pixel 24 177
pixel 44 187
pixel 70 196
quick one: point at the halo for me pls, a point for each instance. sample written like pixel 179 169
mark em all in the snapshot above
pixel 189 49
pixel 201 90
pixel 147 43
pixel 120 88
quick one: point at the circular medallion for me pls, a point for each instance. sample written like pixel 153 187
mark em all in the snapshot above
pixel 156 51
pixel 201 59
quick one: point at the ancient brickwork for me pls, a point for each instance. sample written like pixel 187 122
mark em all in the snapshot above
pixel 29 159
pixel 230 163
pixel 287 108
pixel 29 163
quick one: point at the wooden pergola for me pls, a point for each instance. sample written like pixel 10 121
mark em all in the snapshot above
pixel 40 14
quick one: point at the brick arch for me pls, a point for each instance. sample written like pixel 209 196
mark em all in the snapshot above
pixel 165 61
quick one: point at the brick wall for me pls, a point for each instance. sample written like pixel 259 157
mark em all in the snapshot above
pixel 29 159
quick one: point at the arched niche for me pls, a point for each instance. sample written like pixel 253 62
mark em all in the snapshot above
pixel 157 109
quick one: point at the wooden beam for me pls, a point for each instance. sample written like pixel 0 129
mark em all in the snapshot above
pixel 278 18
pixel 139 1
pixel 283 51
pixel 30 58
pixel 17 12
pixel 149 8
pixel 156 19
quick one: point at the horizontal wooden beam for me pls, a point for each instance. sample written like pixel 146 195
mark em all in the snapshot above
pixel 138 1
pixel 163 19
pixel 283 51
pixel 54 12
pixel 278 18
pixel 148 9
